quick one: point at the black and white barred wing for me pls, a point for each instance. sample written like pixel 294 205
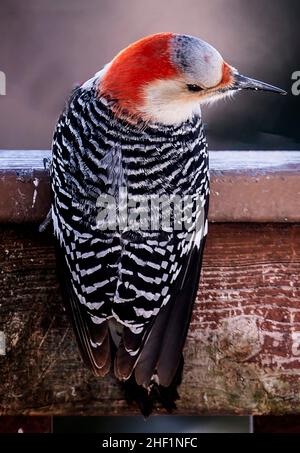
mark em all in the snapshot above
pixel 154 299
pixel 87 259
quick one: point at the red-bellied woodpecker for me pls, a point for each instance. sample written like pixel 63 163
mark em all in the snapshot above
pixel 130 185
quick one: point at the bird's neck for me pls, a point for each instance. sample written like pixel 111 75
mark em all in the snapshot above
pixel 139 128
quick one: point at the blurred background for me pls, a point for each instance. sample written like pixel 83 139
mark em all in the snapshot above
pixel 47 47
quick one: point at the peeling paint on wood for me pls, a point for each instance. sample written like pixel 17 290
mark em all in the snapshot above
pixel 243 350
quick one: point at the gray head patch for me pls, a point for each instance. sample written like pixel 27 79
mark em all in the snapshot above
pixel 199 61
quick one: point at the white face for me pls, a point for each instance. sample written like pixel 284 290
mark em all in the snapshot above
pixel 169 102
pixel 172 101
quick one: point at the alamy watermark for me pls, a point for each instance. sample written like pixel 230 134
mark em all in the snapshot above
pixel 2 343
pixel 125 212
pixel 296 83
pixel 2 83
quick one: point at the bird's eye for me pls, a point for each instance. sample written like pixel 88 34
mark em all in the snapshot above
pixel 193 88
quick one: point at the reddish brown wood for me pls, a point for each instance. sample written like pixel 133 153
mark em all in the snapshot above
pixel 243 350
pixel 24 196
pixel 246 186
pixel 273 424
pixel 21 424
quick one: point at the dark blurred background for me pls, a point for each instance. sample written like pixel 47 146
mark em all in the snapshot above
pixel 46 47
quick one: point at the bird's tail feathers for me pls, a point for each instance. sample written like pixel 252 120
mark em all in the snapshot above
pixel 155 394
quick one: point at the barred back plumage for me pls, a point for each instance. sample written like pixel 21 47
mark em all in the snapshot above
pixel 130 291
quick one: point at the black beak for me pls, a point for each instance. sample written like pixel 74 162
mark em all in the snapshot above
pixel 245 83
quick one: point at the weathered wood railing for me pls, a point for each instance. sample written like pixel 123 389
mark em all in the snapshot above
pixel 243 350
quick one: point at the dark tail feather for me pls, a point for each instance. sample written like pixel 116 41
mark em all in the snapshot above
pixel 147 361
pixel 124 363
pixel 93 341
pixel 157 394
pixel 154 374
pixel 147 348
pixel 178 323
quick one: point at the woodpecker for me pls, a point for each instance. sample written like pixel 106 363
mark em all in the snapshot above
pixel 136 127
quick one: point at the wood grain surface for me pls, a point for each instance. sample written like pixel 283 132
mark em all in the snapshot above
pixel 246 186
pixel 243 350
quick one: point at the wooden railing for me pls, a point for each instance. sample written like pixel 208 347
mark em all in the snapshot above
pixel 243 350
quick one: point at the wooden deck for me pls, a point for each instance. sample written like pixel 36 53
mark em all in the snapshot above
pixel 243 350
